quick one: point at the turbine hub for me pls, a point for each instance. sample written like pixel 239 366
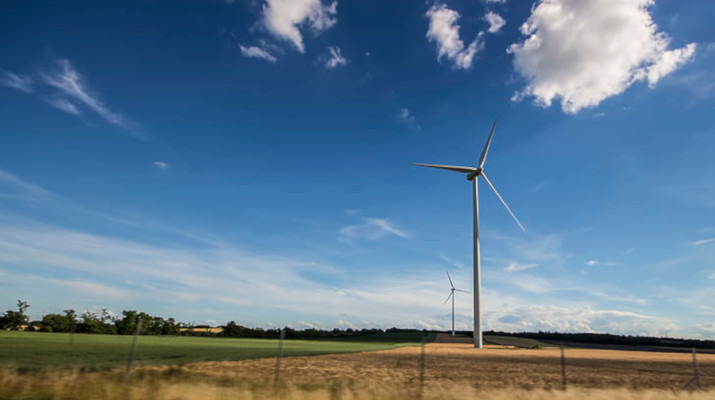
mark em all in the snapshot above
pixel 474 174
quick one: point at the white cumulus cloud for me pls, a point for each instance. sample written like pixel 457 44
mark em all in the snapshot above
pixel 444 31
pixel 496 22
pixel 161 164
pixel 583 52
pixel 257 52
pixel 284 18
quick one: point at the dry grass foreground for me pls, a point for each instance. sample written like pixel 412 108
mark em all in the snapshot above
pixel 452 371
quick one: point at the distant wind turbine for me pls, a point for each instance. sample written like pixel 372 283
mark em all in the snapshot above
pixel 472 174
pixel 451 294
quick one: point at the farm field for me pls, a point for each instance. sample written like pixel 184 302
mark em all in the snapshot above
pixel 35 350
pixel 496 367
pixel 452 371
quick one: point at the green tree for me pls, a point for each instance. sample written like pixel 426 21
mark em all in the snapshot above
pixel 55 323
pixel 127 324
pixel 99 322
pixel 15 320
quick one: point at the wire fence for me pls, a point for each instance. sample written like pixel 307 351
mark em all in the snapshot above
pixel 429 364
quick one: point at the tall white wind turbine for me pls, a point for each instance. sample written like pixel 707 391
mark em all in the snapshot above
pixel 451 294
pixel 472 175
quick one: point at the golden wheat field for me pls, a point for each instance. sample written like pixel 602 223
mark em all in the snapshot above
pixel 452 371
pixel 495 367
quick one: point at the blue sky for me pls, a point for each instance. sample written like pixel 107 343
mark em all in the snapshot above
pixel 250 161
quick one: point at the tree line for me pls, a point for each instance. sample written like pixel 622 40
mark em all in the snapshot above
pixel 609 339
pixel 89 322
pixel 103 322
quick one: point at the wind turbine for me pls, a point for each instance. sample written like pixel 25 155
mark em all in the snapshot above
pixel 451 294
pixel 472 175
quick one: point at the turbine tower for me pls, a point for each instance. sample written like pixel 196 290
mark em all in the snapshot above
pixel 472 175
pixel 451 294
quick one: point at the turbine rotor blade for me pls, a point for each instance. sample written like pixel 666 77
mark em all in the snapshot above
pixel 464 291
pixel 450 295
pixel 456 168
pixel 502 201
pixel 483 157
pixel 450 280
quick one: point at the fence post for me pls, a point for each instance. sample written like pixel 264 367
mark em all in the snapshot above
pixel 696 369
pixel 133 351
pixel 563 368
pixel 696 373
pixel 276 376
pixel 422 365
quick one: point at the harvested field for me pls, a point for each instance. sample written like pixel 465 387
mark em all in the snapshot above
pixel 495 367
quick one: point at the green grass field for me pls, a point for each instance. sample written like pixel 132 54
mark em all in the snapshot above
pixel 38 350
pixel 515 341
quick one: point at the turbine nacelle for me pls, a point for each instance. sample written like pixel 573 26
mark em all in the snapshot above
pixel 471 176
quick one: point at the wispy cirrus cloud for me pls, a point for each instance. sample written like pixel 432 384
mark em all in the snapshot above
pixel 285 18
pixel 515 266
pixel 15 188
pixel 70 93
pixel 257 52
pixel 594 263
pixel 161 165
pixel 73 86
pixel 703 241
pixel 585 52
pixel 406 117
pixel 63 104
pixel 371 229
pixel 450 261
pixel 444 31
pixel 19 82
